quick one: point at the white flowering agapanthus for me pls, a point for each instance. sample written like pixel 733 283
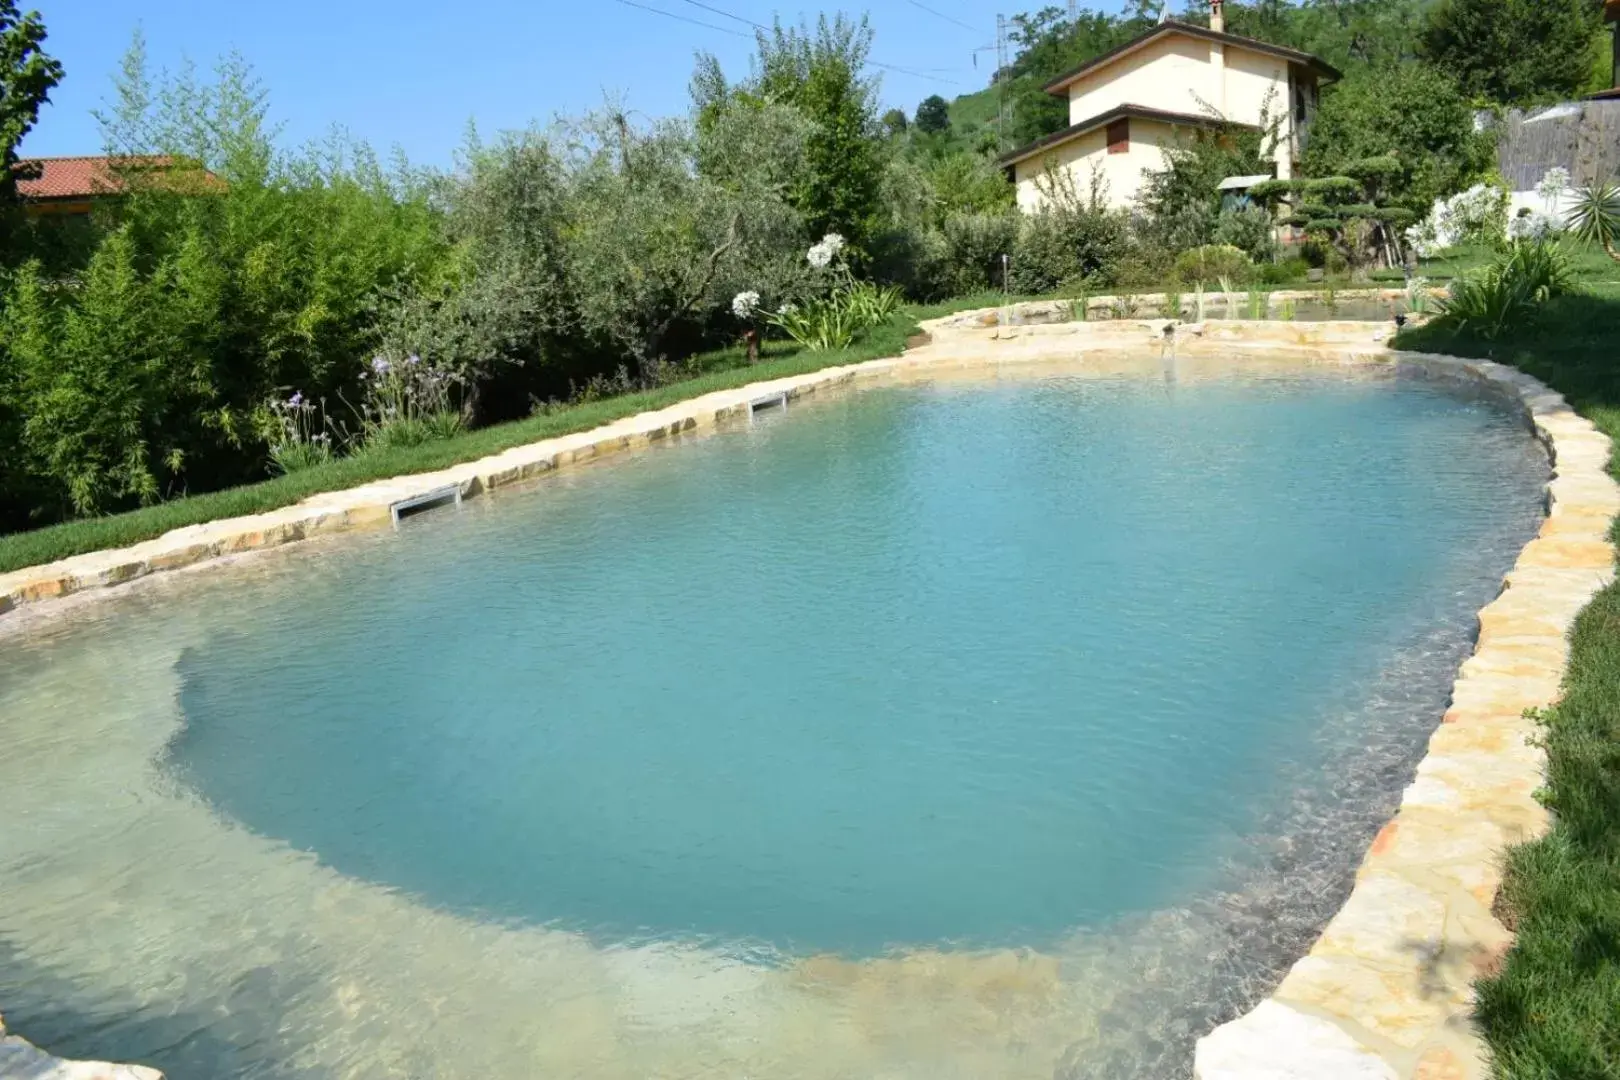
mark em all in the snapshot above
pixel 1553 184
pixel 745 305
pixel 1534 226
pixel 822 254
pixel 1466 216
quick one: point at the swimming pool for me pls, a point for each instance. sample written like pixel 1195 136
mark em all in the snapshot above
pixel 1013 727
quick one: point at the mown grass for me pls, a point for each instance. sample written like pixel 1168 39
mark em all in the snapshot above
pixel 1553 1010
pixel 719 370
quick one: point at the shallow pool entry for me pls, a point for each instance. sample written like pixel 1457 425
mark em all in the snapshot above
pixel 984 728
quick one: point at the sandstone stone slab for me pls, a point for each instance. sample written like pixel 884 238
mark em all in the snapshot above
pixel 1276 1042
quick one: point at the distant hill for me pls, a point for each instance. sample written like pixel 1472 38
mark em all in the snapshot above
pixel 969 112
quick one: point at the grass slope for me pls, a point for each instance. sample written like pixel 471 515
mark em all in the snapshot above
pixel 1553 1011
pixel 718 371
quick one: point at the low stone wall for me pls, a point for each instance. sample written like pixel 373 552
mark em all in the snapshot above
pixel 1386 992
pixel 1133 306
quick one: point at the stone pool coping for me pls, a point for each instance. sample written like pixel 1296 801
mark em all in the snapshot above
pixel 1386 991
pixel 1133 306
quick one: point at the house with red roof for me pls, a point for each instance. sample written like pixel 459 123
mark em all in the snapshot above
pixel 1129 106
pixel 73 185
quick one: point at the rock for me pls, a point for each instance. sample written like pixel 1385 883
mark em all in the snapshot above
pixel 19 1058
pixel 1275 1042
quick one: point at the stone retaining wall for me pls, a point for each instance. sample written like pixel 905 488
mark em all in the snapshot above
pixel 1386 991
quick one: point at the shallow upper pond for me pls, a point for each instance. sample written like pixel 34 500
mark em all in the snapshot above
pixel 972 728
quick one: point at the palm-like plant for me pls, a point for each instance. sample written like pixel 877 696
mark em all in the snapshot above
pixel 1595 217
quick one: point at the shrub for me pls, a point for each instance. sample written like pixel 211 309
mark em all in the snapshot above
pixel 973 245
pixel 1595 217
pixel 1144 265
pixel 1507 293
pixel 1250 230
pixel 1065 246
pixel 1213 263
pixel 1282 273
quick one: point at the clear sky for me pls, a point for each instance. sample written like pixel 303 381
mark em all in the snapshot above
pixel 411 73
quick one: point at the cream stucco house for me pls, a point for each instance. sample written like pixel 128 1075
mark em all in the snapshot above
pixel 1127 106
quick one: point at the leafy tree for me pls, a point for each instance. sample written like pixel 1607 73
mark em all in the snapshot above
pixel 1514 51
pixel 933 115
pixel 823 74
pixel 1181 202
pixel 1409 112
pixel 27 77
pixel 139 375
pixel 895 122
pixel 1345 33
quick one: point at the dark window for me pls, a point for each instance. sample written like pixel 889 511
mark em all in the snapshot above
pixel 1119 137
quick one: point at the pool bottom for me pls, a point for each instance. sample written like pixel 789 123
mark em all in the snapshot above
pixel 283 968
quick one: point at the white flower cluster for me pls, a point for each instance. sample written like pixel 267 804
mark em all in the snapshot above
pixel 745 305
pixel 1534 226
pixel 1553 184
pixel 1468 215
pixel 822 255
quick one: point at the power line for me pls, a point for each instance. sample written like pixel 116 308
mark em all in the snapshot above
pixel 760 26
pixel 913 73
pixel 942 15
pixel 683 18
pixel 727 14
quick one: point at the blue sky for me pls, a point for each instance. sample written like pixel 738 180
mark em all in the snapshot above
pixel 411 73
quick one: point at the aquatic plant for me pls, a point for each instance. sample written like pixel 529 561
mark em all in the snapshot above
pixel 1126 306
pixel 1256 304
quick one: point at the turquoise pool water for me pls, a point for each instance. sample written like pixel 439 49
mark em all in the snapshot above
pixel 1066 665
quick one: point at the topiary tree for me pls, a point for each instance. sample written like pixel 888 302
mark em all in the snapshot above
pixel 1409 112
pixel 1351 212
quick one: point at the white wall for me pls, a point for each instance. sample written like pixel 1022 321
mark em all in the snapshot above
pixel 1079 158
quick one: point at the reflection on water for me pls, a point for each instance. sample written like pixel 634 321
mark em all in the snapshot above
pixel 138 921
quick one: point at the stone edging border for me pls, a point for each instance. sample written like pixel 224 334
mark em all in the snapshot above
pixel 1386 992
pixel 1133 306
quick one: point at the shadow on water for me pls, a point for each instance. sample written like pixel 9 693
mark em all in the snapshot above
pixel 235 1036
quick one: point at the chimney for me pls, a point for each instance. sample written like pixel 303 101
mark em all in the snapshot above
pixel 1217 16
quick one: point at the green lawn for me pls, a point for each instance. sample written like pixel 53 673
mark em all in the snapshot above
pixel 1553 1011
pixel 719 370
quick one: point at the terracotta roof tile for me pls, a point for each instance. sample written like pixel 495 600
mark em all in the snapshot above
pixel 85 177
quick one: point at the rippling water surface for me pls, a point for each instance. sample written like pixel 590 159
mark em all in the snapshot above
pixel 1018 728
